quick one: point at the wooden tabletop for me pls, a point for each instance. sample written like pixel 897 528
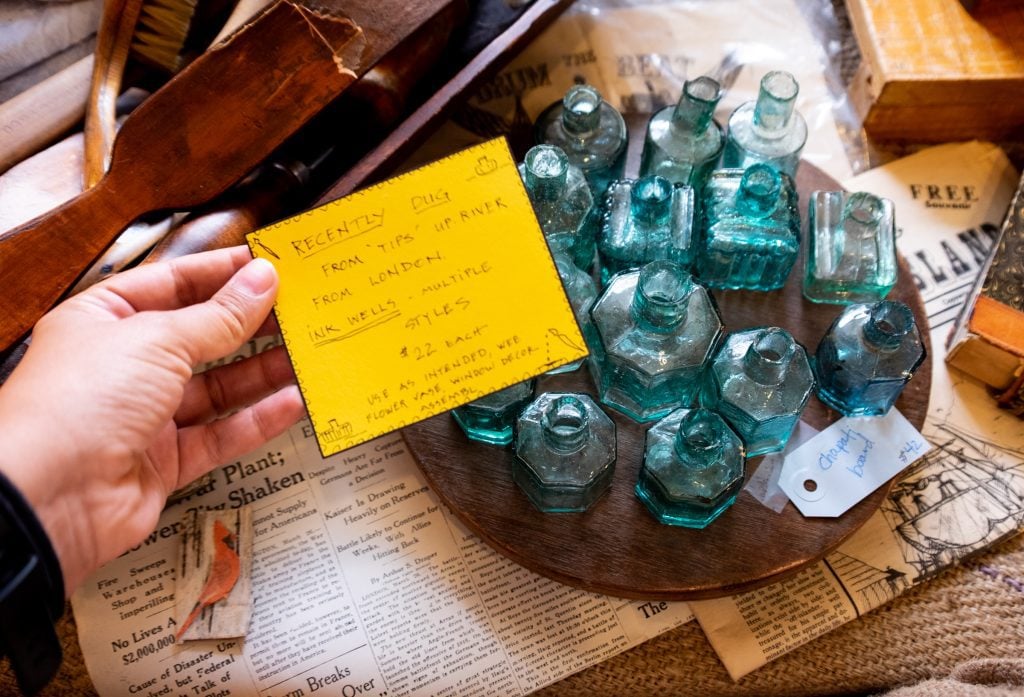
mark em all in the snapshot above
pixel 617 547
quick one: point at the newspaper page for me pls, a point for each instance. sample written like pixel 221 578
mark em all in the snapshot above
pixel 638 54
pixel 964 496
pixel 363 584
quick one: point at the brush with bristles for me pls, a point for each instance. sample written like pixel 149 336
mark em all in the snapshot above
pixel 166 34
pixel 170 33
pixel 35 118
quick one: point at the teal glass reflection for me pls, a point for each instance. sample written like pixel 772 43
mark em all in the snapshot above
pixel 850 255
pixel 759 381
pixel 491 418
pixel 581 291
pixel 656 329
pixel 770 130
pixel 867 357
pixel 684 142
pixel 645 220
pixel 565 452
pixel 592 133
pixel 750 229
pixel 693 468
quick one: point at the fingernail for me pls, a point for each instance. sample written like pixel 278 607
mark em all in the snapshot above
pixel 257 276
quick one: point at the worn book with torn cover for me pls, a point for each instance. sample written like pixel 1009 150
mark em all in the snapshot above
pixel 987 341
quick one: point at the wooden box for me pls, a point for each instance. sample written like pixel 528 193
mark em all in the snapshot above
pixel 933 72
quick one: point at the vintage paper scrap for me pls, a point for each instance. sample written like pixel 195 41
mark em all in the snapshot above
pixel 211 603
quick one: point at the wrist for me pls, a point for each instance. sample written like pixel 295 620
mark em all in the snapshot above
pixel 31 592
pixel 41 468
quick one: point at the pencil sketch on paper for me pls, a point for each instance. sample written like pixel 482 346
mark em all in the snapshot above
pixel 871 585
pixel 964 496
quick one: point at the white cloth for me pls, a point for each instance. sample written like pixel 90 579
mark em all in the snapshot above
pixel 32 31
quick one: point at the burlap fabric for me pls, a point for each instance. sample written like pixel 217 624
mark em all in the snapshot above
pixel 941 627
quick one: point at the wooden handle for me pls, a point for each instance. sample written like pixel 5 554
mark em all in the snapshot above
pixel 370 106
pixel 199 134
pixel 42 258
pixel 113 42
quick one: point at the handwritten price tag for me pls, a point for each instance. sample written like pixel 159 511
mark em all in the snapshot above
pixel 834 470
pixel 417 295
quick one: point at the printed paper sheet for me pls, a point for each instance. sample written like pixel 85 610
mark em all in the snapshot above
pixel 363 583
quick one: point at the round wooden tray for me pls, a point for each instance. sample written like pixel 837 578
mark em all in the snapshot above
pixel 617 547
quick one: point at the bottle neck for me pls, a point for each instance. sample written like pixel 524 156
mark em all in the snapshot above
pixel 545 172
pixel 581 110
pixel 565 424
pixel 768 355
pixel 651 200
pixel 888 323
pixel 699 438
pixel 697 104
pixel 661 297
pixel 775 102
pixel 862 214
pixel 759 189
pixel 579 286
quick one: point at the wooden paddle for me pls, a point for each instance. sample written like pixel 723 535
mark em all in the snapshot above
pixel 200 133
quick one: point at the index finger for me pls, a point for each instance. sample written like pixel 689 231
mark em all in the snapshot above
pixel 177 283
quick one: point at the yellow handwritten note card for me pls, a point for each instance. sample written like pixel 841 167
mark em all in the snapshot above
pixel 417 295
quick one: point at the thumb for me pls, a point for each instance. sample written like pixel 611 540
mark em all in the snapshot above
pixel 212 329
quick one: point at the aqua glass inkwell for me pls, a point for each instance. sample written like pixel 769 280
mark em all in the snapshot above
pixel 581 291
pixel 769 130
pixel 644 220
pixel 562 202
pixel 683 142
pixel 867 357
pixel 759 381
pixel 850 255
pixel 656 329
pixel 490 419
pixel 565 452
pixel 692 469
pixel 750 229
pixel 592 133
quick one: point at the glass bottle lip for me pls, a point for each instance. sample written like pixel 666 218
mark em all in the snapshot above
pixel 565 423
pixel 651 198
pixel 662 292
pixel 775 103
pixel 546 170
pixel 889 321
pixel 703 89
pixel 863 208
pixel 699 439
pixel 581 109
pixel 768 354
pixel 759 189
pixel 780 85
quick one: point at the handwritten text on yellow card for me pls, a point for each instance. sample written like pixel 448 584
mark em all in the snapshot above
pixel 417 295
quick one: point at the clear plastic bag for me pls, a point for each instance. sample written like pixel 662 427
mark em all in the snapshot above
pixel 638 53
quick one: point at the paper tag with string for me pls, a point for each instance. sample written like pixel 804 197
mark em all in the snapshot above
pixel 837 468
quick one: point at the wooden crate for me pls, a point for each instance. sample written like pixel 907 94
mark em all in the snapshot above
pixel 932 72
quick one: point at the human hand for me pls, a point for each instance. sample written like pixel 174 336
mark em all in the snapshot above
pixel 103 418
